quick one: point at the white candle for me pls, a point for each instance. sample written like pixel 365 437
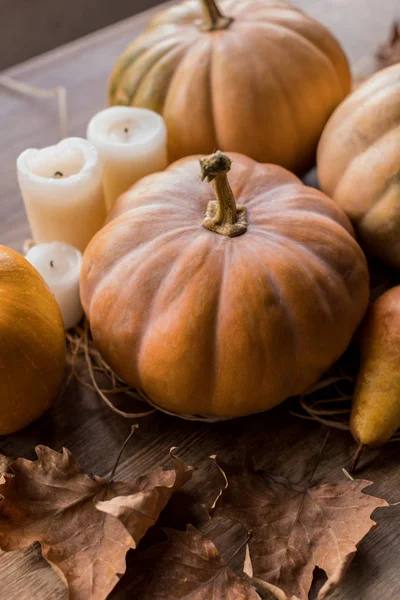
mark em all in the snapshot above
pixel 60 266
pixel 62 190
pixel 132 143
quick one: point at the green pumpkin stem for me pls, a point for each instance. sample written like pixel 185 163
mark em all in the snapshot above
pixel 213 17
pixel 222 215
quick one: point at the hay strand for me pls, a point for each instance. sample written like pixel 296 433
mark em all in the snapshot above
pixel 81 346
pixel 60 93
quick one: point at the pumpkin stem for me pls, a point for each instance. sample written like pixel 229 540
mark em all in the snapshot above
pixel 214 18
pixel 222 215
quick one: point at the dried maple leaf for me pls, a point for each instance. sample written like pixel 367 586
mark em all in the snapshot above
pixel 188 566
pixel 52 501
pixel 296 529
pixel 389 53
pixel 5 462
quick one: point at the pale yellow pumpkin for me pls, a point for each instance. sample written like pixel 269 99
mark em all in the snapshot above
pixel 359 163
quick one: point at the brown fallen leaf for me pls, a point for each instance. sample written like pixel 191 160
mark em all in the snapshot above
pixel 140 510
pixel 389 53
pixel 5 462
pixel 53 501
pixel 296 529
pixel 189 566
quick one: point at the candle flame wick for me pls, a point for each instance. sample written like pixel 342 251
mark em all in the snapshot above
pixel 126 130
pixel 52 264
pixel 58 174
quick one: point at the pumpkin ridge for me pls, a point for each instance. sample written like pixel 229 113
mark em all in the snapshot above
pixel 300 247
pixel 134 52
pixel 204 45
pixel 292 328
pixel 310 43
pixel 141 266
pixel 217 317
pixel 297 123
pixel 180 257
pixel 367 102
pixel 150 56
pixel 326 308
pixel 268 196
pixel 380 197
pixel 177 53
pixel 145 247
pixel 372 149
pixel 277 212
pixel 208 253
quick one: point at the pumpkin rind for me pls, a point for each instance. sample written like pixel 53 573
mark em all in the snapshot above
pixel 265 86
pixel 32 343
pixel 359 163
pixel 225 326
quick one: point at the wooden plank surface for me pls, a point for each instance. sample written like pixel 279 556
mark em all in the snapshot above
pixel 280 442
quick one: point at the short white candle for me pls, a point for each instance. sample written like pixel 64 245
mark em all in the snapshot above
pixel 132 143
pixel 60 266
pixel 62 189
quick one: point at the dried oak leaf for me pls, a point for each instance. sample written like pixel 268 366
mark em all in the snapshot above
pixel 5 462
pixel 189 566
pixel 296 529
pixel 53 501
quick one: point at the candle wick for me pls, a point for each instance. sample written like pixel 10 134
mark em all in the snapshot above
pixel 52 264
pixel 126 130
pixel 58 174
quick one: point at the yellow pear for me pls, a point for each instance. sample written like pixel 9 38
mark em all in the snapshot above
pixel 375 414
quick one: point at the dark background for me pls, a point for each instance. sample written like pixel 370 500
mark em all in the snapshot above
pixel 30 27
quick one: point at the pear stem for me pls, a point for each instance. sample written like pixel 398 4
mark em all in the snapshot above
pixel 356 458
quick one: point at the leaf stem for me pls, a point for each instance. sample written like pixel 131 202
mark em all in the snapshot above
pixel 126 442
pixel 247 539
pixel 321 450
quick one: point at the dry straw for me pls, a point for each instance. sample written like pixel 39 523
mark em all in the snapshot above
pixel 60 93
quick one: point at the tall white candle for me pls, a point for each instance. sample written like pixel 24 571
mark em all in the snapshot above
pixel 62 190
pixel 132 143
pixel 60 266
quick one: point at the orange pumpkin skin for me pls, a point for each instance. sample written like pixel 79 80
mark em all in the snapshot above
pixel 32 343
pixel 207 324
pixel 265 86
pixel 359 163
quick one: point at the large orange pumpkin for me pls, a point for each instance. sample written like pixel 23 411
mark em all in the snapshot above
pixel 216 309
pixel 262 81
pixel 32 343
pixel 359 163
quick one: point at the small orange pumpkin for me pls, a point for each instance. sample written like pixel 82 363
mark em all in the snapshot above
pixel 213 308
pixel 32 343
pixel 359 163
pixel 262 80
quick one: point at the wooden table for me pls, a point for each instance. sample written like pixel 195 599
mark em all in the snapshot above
pixel 82 423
